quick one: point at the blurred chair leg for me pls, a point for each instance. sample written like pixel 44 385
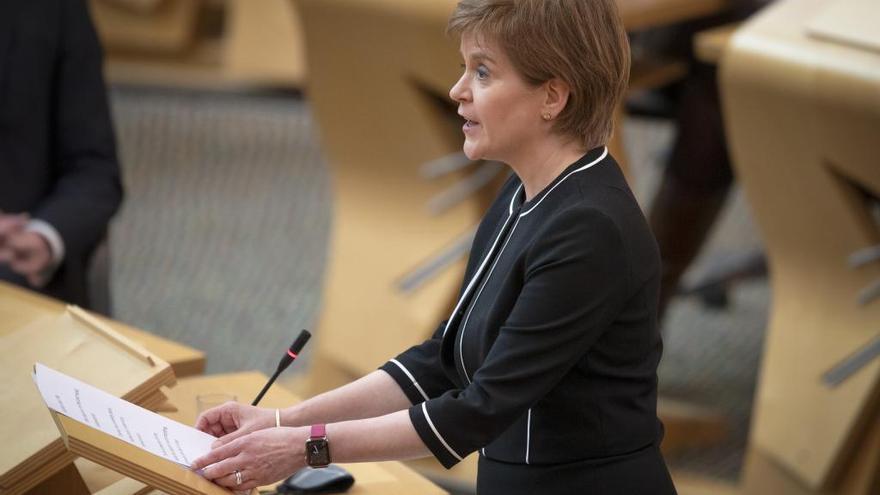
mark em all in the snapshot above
pixel 681 220
pixel 696 181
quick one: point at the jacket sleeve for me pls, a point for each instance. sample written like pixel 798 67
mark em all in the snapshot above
pixel 87 191
pixel 576 279
pixel 418 370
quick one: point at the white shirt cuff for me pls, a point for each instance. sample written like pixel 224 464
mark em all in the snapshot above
pixel 56 244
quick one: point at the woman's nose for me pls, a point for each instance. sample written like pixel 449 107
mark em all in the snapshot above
pixel 457 92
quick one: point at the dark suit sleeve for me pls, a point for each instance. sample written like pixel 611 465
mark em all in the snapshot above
pixel 418 371
pixel 576 281
pixel 88 190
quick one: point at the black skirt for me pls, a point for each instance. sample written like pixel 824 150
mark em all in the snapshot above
pixel 638 473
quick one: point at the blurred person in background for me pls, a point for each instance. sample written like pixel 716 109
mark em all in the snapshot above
pixel 59 174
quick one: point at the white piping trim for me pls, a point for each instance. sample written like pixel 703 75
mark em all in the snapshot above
pixel 437 433
pixel 412 378
pixel 470 285
pixel 597 160
pixel 528 434
pixel 477 297
pixel 513 198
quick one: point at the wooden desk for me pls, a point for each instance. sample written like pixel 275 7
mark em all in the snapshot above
pixel 385 478
pixel 18 307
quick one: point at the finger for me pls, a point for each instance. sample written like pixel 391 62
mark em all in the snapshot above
pixel 229 437
pixel 246 484
pixel 26 267
pixel 25 262
pixel 230 417
pixel 32 252
pixel 10 224
pixel 231 482
pixel 211 421
pixel 223 468
pixel 29 263
pixel 217 430
pixel 227 481
pixel 219 454
pixel 207 419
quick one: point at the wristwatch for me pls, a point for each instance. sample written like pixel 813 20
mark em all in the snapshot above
pixel 318 447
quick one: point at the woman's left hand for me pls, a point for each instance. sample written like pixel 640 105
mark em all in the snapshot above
pixel 262 457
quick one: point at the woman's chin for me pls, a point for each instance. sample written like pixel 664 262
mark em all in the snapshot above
pixel 471 151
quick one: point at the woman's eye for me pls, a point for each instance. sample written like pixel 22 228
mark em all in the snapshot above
pixel 482 72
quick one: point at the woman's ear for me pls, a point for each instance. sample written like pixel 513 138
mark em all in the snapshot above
pixel 557 92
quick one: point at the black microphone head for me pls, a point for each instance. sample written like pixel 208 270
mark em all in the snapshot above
pixel 300 341
pixel 291 353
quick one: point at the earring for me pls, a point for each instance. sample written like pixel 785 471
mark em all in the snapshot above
pixel 547 116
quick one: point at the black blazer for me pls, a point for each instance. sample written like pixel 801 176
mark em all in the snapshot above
pixel 57 149
pixel 550 355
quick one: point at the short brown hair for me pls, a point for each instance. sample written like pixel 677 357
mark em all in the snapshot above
pixel 581 42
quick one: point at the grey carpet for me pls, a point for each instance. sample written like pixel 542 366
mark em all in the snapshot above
pixel 222 241
pixel 222 238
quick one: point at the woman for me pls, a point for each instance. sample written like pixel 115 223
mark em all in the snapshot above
pixel 547 365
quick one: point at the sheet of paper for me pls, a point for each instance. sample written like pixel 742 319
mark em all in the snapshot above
pixel 126 421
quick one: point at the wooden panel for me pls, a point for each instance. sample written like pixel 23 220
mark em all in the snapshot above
pixel 19 307
pixel 82 347
pixel 691 484
pixel 169 28
pixel 67 481
pixel 762 475
pixel 688 426
pixel 803 120
pixel 852 22
pixel 132 461
pixel 644 14
pixel 379 97
pixel 264 43
pixel 26 326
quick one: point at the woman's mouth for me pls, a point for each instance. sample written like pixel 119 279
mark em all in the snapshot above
pixel 469 125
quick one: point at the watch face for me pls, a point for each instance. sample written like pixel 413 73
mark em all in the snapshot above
pixel 318 452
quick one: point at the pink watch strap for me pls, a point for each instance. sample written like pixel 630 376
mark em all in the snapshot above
pixel 319 431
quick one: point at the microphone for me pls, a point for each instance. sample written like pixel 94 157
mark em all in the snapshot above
pixel 288 358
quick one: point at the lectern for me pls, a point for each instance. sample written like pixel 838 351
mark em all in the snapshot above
pixel 82 346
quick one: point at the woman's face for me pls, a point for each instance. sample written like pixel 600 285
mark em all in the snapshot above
pixel 502 111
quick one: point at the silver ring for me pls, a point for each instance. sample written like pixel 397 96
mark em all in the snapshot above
pixel 237 474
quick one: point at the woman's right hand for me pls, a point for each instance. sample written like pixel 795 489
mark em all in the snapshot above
pixel 232 420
